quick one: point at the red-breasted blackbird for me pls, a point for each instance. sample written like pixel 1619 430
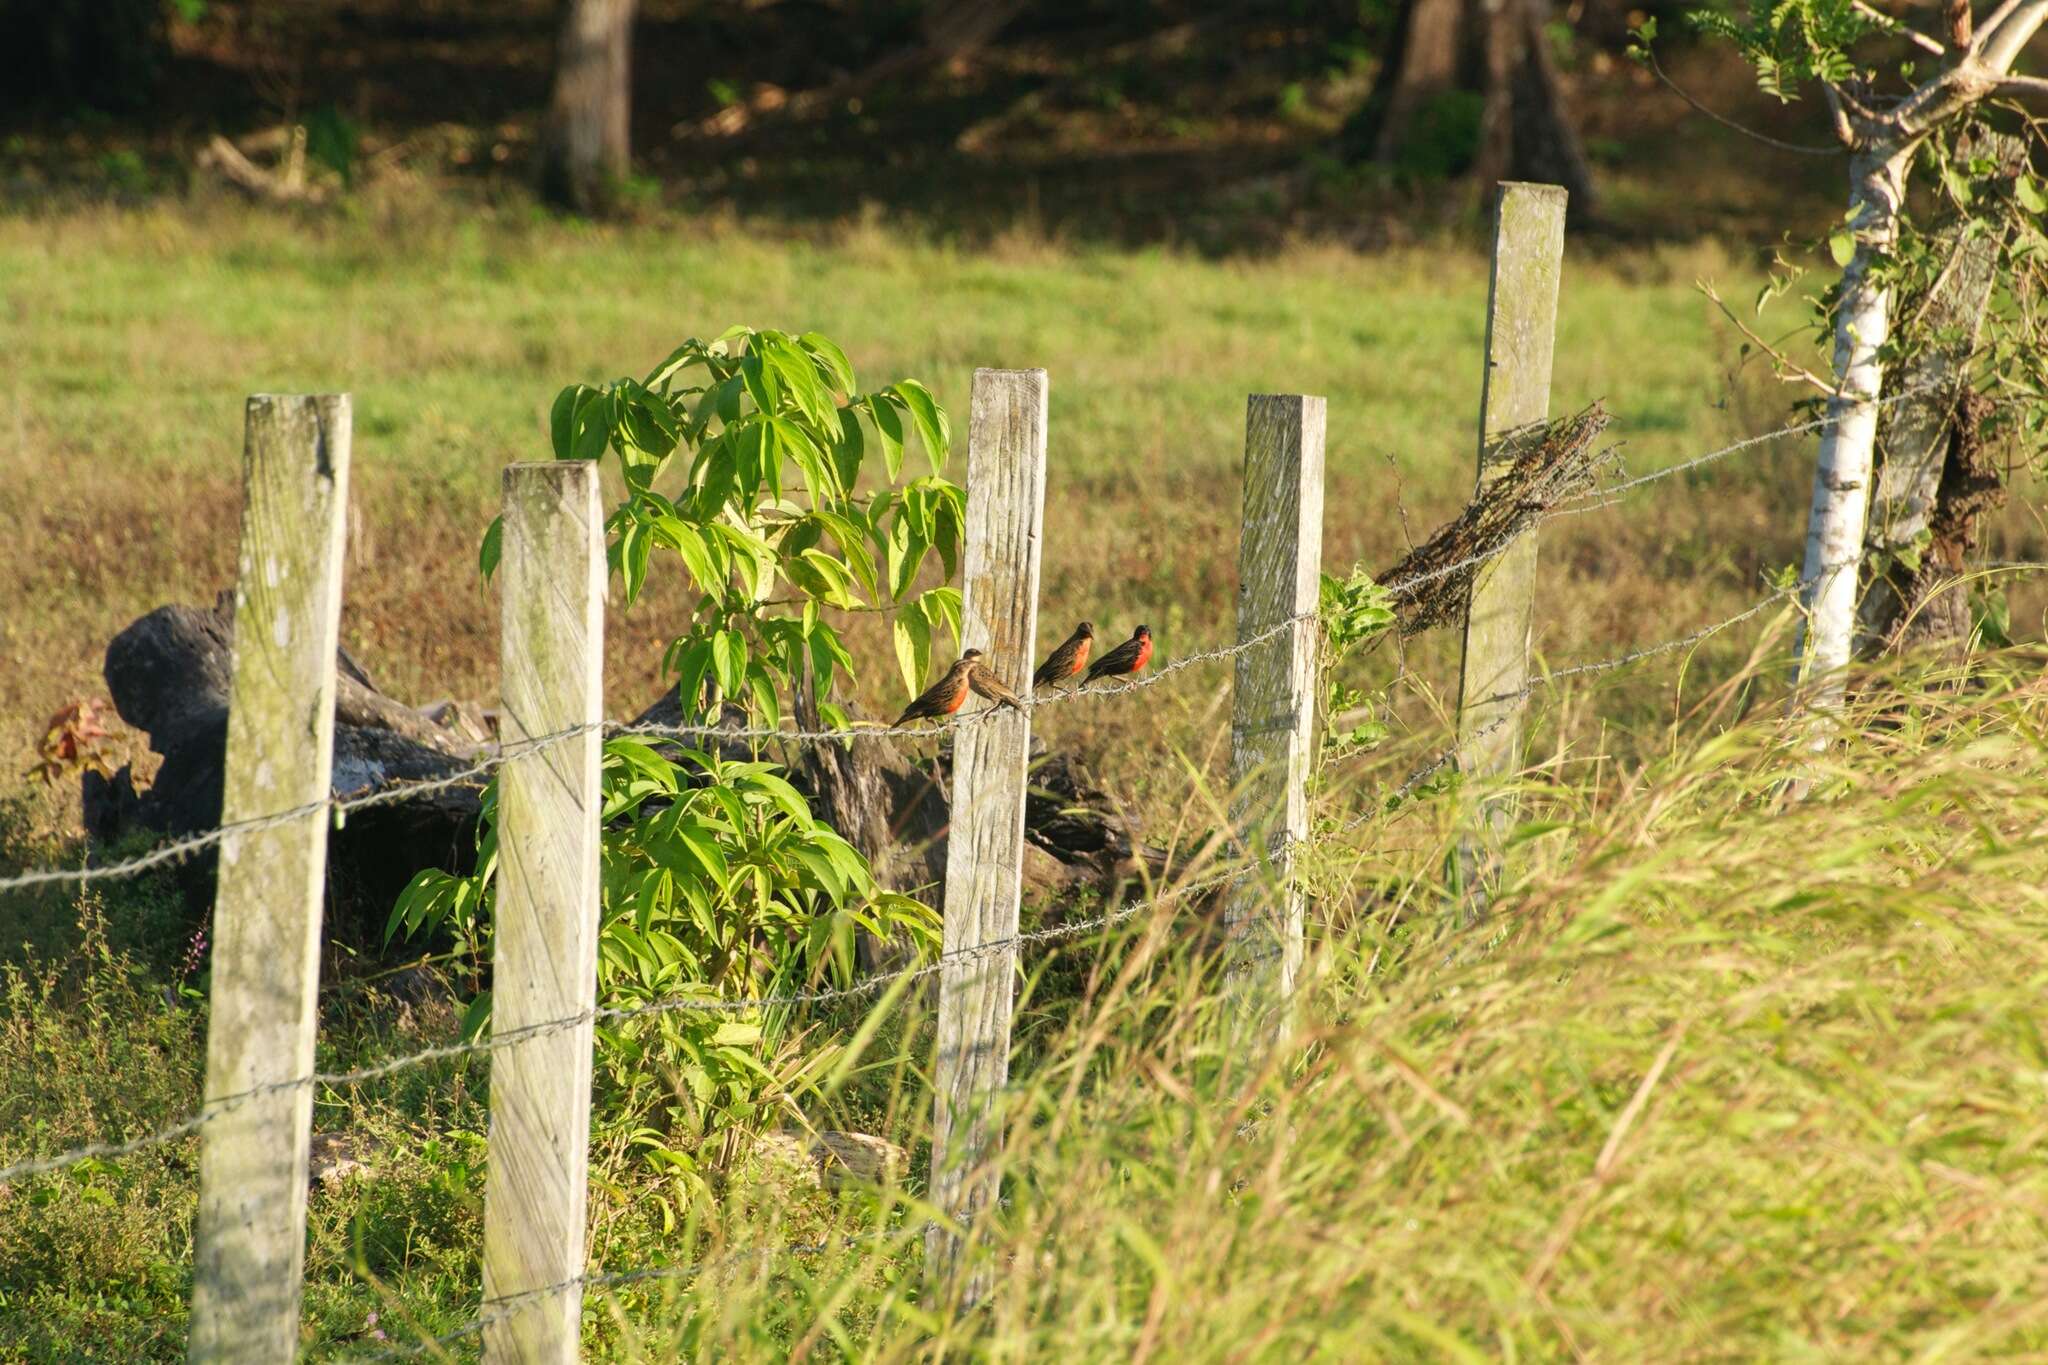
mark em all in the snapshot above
pixel 1127 658
pixel 1068 660
pixel 943 697
pixel 986 684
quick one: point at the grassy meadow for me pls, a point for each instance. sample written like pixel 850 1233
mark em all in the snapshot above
pixel 1719 1079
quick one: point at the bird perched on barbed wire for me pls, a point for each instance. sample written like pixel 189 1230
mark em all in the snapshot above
pixel 1127 658
pixel 985 683
pixel 943 697
pixel 1068 660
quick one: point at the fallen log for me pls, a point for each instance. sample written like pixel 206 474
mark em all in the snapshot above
pixel 168 676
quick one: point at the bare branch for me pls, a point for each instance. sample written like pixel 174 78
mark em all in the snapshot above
pixel 1790 369
pixel 1900 28
pixel 1843 130
pixel 2000 43
pixel 1751 133
pixel 1959 23
pixel 1991 22
pixel 2023 85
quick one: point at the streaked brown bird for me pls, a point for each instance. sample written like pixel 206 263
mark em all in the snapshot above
pixel 1068 660
pixel 943 697
pixel 986 684
pixel 1127 658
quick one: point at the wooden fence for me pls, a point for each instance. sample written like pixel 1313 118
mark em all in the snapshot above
pixel 253 1170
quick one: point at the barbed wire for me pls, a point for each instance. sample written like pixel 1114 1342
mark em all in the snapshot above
pixel 866 987
pixel 1612 492
pixel 1549 678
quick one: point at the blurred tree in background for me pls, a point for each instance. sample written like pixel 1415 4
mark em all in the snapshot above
pixel 1471 87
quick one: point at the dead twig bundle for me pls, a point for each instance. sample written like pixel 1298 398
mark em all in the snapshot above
pixel 1545 464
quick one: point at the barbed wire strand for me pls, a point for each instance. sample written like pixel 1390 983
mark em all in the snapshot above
pixel 1612 492
pixel 1450 753
pixel 868 986
pixel 180 849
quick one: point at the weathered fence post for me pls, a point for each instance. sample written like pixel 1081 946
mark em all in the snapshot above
pixel 985 844
pixel 1521 319
pixel 250 1235
pixel 544 958
pixel 1272 722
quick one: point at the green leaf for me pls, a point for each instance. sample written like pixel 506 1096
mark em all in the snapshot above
pixel 734 1033
pixel 766 702
pixel 682 357
pixel 701 556
pixel 850 448
pixel 913 648
pixel 634 547
pixel 834 360
pixel 801 380
pixel 906 555
pixel 562 421
pixel 761 384
pixel 729 661
pixel 693 663
pixel 1842 246
pixel 2029 194
pixel 942 605
pixel 889 427
pixel 493 547
pixel 476 1018
pixel 930 418
pixel 839 586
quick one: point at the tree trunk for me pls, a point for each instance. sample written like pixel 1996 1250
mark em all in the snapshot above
pixel 1472 90
pixel 1429 39
pixel 1931 479
pixel 1842 475
pixel 586 147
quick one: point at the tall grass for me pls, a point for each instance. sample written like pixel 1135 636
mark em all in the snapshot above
pixel 1719 1077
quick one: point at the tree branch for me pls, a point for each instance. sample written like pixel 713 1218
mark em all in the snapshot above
pixel 2023 85
pixel 1840 114
pixel 1792 369
pixel 2009 29
pixel 1751 133
pixel 1899 27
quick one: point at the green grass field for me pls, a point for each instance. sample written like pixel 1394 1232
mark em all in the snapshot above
pixel 1719 1080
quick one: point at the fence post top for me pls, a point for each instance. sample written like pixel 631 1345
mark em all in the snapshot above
pixel 998 372
pixel 1534 189
pixel 272 400
pixel 554 471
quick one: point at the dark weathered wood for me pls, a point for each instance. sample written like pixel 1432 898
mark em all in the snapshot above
pixel 250 1233
pixel 544 952
pixel 168 676
pixel 1272 721
pixel 1521 319
pixel 985 845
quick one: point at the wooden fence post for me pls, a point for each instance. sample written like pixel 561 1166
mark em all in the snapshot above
pixel 985 843
pixel 1521 320
pixel 1272 722
pixel 250 1234
pixel 544 957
